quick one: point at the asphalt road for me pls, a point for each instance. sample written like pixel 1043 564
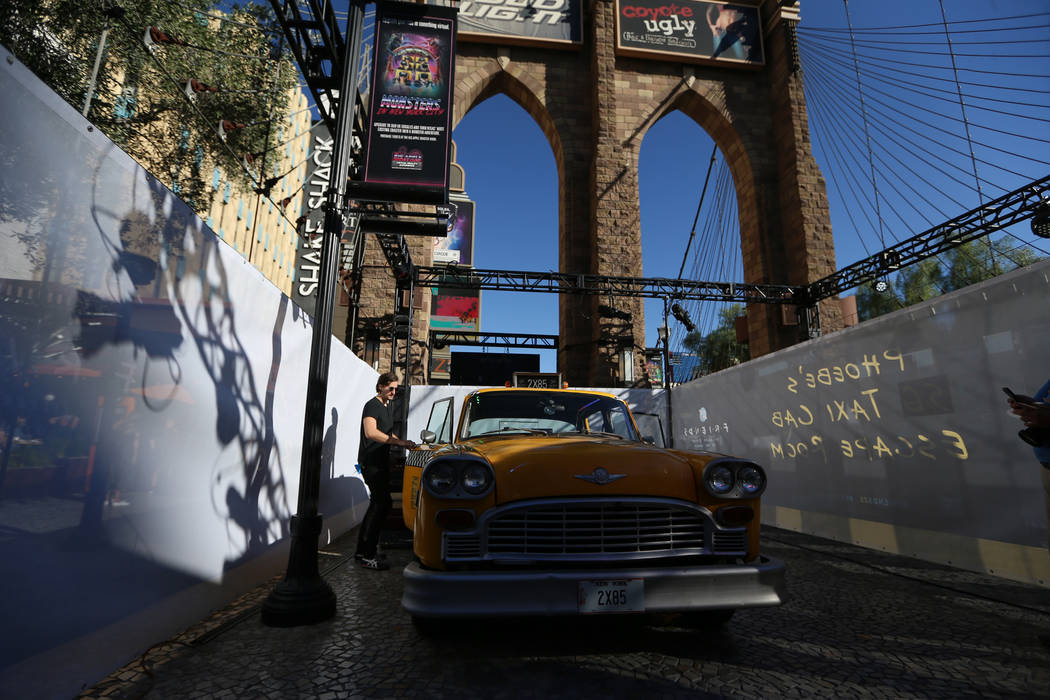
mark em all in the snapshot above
pixel 858 624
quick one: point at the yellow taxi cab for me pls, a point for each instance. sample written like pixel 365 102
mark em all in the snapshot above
pixel 550 502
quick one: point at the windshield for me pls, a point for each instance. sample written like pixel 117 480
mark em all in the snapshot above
pixel 546 413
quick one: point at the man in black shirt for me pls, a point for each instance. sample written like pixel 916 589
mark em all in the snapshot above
pixel 377 423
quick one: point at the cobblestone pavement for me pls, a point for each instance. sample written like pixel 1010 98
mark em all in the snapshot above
pixel 858 624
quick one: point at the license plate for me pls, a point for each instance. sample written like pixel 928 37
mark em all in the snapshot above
pixel 612 596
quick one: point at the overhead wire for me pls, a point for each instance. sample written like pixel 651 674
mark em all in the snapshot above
pixel 901 175
pixel 137 40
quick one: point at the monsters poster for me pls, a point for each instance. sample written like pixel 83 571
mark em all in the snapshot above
pixel 408 143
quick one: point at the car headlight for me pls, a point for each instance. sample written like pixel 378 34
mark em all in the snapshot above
pixel 441 477
pixel 719 479
pixel 731 478
pixel 458 477
pixel 750 480
pixel 476 477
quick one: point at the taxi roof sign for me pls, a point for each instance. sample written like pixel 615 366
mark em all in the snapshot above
pixel 538 380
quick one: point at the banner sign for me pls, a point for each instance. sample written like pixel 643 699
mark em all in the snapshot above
pixel 457 247
pixel 308 251
pixel 411 108
pixel 455 310
pixel 556 23
pixel 689 30
pixel 899 420
pixel 440 363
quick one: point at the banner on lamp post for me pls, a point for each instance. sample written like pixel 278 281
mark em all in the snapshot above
pixel 410 128
pixel 311 224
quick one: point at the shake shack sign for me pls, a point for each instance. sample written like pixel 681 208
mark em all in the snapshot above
pixel 308 255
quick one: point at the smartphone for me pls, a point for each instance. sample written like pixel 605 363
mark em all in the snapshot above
pixel 1019 398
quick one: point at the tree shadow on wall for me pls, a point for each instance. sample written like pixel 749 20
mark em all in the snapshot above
pixel 250 492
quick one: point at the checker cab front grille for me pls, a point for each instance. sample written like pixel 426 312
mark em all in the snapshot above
pixel 570 529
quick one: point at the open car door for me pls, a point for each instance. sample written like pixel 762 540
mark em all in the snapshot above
pixel 651 426
pixel 438 432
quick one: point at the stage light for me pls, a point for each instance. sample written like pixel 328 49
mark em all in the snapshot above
pixel 1041 220
pixel 679 313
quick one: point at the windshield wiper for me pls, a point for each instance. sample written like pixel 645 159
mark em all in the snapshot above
pixel 602 432
pixel 509 429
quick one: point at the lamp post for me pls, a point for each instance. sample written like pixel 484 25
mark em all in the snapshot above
pixel 303 597
pixel 664 334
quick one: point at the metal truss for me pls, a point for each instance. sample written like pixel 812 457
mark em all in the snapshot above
pixel 498 340
pixel 1019 205
pixel 397 255
pixel 318 46
pixel 595 285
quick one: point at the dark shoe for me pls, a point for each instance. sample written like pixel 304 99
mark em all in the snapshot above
pixel 373 563
pixel 381 556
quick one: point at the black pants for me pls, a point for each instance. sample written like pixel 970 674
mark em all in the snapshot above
pixel 377 476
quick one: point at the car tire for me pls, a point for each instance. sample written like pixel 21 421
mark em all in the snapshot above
pixel 707 619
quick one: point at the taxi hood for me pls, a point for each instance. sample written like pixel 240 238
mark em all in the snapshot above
pixel 540 466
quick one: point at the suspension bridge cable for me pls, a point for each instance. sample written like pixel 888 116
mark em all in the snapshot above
pixel 849 173
pixel 846 54
pixel 986 109
pixel 899 105
pixel 889 117
pixel 699 204
pixel 889 46
pixel 991 86
pixel 867 135
pixel 886 117
pixel 894 77
pixel 966 124
pixel 891 174
pixel 937 24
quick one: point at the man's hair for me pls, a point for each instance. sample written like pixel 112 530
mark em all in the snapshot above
pixel 385 378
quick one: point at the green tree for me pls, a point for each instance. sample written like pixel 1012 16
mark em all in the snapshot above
pixel 960 267
pixel 719 349
pixel 140 102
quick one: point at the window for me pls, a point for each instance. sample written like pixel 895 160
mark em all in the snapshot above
pixel 440 421
pixel 215 177
pixel 226 193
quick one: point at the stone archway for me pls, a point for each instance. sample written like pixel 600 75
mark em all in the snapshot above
pixel 595 107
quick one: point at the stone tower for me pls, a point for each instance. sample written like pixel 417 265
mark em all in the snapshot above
pixel 595 99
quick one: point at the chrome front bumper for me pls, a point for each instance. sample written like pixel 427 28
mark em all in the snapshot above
pixel 510 593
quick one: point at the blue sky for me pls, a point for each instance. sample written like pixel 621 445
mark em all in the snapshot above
pixel 510 174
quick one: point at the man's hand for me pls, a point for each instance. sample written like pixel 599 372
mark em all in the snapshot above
pixel 1032 414
pixel 395 440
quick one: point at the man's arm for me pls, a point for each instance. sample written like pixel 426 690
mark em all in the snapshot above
pixel 372 432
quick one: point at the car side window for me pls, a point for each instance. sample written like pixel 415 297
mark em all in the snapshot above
pixel 618 423
pixel 440 421
pixel 651 426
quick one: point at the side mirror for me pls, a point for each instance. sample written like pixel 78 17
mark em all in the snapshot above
pixel 427 437
pixel 648 439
